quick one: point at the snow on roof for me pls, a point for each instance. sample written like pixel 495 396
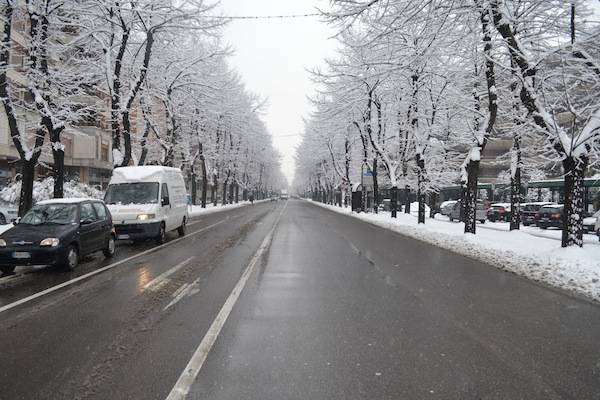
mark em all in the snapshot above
pixel 142 172
pixel 70 200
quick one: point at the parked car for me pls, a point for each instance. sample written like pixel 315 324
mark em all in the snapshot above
pixel 499 212
pixel 589 223
pixel 147 202
pixel 529 211
pixel 284 195
pixel 58 232
pixel 8 213
pixel 549 216
pixel 480 212
pixel 446 207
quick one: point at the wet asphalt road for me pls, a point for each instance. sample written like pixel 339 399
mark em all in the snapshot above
pixel 336 309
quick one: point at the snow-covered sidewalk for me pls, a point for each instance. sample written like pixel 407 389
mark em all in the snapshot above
pixel 532 253
pixel 196 211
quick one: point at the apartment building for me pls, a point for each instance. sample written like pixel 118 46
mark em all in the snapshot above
pixel 88 155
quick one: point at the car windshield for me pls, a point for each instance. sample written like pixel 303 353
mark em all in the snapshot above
pixel 44 214
pixel 550 209
pixel 132 193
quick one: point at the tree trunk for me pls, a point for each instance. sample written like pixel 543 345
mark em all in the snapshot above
pixel 572 217
pixel 194 187
pixel 470 202
pixel 515 188
pixel 375 188
pixel 224 193
pixel 463 196
pixel 58 169
pixel 394 201
pixel 26 195
pixel 421 199
pixel 204 190
pixel 143 145
pixel 231 193
pixel 213 190
pixel 237 193
pixel 245 194
pixel 407 199
pixel 126 135
pixel 420 189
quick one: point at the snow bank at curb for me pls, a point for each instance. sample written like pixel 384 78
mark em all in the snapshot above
pixel 196 211
pixel 537 258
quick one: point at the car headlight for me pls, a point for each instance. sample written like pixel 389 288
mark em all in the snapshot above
pixel 145 217
pixel 50 242
pixel 2 243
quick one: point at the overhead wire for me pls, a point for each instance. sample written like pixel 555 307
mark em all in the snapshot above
pixel 291 16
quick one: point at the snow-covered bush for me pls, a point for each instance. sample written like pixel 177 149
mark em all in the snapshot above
pixel 44 190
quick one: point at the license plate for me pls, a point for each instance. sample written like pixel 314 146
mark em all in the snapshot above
pixel 122 237
pixel 21 254
pixel 544 219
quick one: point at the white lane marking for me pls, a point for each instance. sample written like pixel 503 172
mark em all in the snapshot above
pixel 161 280
pixel 189 374
pixel 354 248
pixel 98 271
pixel 185 290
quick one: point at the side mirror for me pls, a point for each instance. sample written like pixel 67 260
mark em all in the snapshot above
pixel 16 221
pixel 164 201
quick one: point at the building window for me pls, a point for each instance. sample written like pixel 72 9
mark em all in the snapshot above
pixel 104 153
pixel 68 143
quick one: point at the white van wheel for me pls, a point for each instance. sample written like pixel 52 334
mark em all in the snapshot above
pixel 181 229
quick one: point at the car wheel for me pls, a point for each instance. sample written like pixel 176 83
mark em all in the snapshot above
pixel 162 235
pixel 181 229
pixel 543 227
pixel 2 219
pixel 451 219
pixel 7 270
pixel 110 249
pixel 482 221
pixel 71 259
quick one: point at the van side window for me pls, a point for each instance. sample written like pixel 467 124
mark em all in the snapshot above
pixel 164 191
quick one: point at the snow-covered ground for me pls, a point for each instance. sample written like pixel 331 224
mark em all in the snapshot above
pixel 531 252
pixel 195 211
pixel 4 228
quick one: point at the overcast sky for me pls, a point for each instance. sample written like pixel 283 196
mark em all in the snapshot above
pixel 272 56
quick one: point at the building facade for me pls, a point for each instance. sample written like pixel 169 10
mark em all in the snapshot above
pixel 87 145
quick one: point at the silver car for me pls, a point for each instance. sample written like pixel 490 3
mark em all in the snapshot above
pixel 480 212
pixel 446 207
pixel 8 213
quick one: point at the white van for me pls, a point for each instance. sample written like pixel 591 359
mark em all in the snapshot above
pixel 146 202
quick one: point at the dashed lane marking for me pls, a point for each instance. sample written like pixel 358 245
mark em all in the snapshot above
pixel 98 271
pixel 161 280
pixel 189 374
